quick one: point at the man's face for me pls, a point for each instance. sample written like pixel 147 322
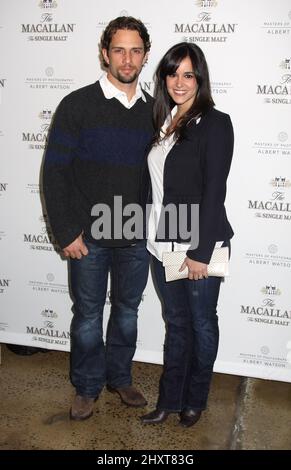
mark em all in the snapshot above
pixel 126 56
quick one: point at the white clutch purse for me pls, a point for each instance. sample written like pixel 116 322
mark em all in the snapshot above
pixel 218 265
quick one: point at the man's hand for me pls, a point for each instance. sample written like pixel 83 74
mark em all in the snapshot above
pixel 76 249
pixel 196 270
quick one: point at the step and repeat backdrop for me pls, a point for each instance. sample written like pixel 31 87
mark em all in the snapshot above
pixel 49 48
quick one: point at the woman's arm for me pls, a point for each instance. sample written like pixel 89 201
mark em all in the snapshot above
pixel 216 165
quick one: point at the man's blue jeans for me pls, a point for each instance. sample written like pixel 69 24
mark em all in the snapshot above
pixel 93 364
pixel 191 340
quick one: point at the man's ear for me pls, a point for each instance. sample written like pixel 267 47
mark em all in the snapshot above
pixel 105 56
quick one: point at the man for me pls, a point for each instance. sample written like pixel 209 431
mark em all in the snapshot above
pixel 96 151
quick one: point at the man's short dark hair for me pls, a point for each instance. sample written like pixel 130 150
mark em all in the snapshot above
pixel 124 22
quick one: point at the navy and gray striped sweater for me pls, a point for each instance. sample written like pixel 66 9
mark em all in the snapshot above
pixel 96 150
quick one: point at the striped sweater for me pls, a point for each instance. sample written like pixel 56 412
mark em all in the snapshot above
pixel 96 150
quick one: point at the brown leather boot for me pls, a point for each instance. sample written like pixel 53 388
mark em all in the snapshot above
pixel 129 395
pixel 82 408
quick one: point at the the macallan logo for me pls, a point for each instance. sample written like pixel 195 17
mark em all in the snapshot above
pixel 33 137
pixel 280 89
pixel 46 114
pixel 203 25
pixel 38 238
pixel 47 29
pixel 280 182
pixel 48 313
pixel 205 29
pixel 47 330
pixel 267 312
pixel 206 3
pixel 270 290
pixel 285 64
pixel 276 203
pixel 45 26
pixel 280 92
pixel 48 333
pixel 47 4
pixel 37 140
pixel 275 207
pixel 43 241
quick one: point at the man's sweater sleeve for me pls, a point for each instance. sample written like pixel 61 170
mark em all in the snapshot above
pixel 58 173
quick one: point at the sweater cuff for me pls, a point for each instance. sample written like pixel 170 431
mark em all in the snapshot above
pixel 65 238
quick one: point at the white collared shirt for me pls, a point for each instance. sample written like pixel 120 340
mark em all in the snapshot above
pixel 110 91
pixel 156 162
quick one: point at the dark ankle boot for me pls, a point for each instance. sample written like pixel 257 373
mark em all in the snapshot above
pixel 189 417
pixel 155 417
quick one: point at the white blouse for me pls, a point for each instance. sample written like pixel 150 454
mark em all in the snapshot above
pixel 156 164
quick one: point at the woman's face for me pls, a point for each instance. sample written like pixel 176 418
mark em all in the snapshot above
pixel 182 85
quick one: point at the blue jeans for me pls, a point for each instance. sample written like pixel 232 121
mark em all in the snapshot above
pixel 93 364
pixel 191 340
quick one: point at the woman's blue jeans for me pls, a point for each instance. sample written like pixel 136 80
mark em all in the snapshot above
pixel 191 340
pixel 92 363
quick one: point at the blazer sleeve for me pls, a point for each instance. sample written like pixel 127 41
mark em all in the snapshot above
pixel 215 169
pixel 58 182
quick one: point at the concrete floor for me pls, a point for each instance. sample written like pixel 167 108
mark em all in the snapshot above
pixel 35 397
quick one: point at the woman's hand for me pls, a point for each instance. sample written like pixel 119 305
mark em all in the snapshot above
pixel 196 270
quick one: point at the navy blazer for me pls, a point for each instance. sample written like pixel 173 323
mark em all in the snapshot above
pixel 196 171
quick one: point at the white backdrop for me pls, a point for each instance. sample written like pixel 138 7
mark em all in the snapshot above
pixel 50 48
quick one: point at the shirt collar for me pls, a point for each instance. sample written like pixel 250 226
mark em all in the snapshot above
pixel 169 119
pixel 110 91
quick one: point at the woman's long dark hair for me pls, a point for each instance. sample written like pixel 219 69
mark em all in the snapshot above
pixel 164 103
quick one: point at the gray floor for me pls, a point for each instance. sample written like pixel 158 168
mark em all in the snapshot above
pixel 35 397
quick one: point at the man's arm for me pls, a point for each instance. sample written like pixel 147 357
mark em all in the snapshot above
pixel 58 183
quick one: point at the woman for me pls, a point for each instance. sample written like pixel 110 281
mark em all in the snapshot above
pixel 188 164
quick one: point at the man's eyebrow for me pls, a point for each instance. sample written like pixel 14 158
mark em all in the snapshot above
pixel 124 47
